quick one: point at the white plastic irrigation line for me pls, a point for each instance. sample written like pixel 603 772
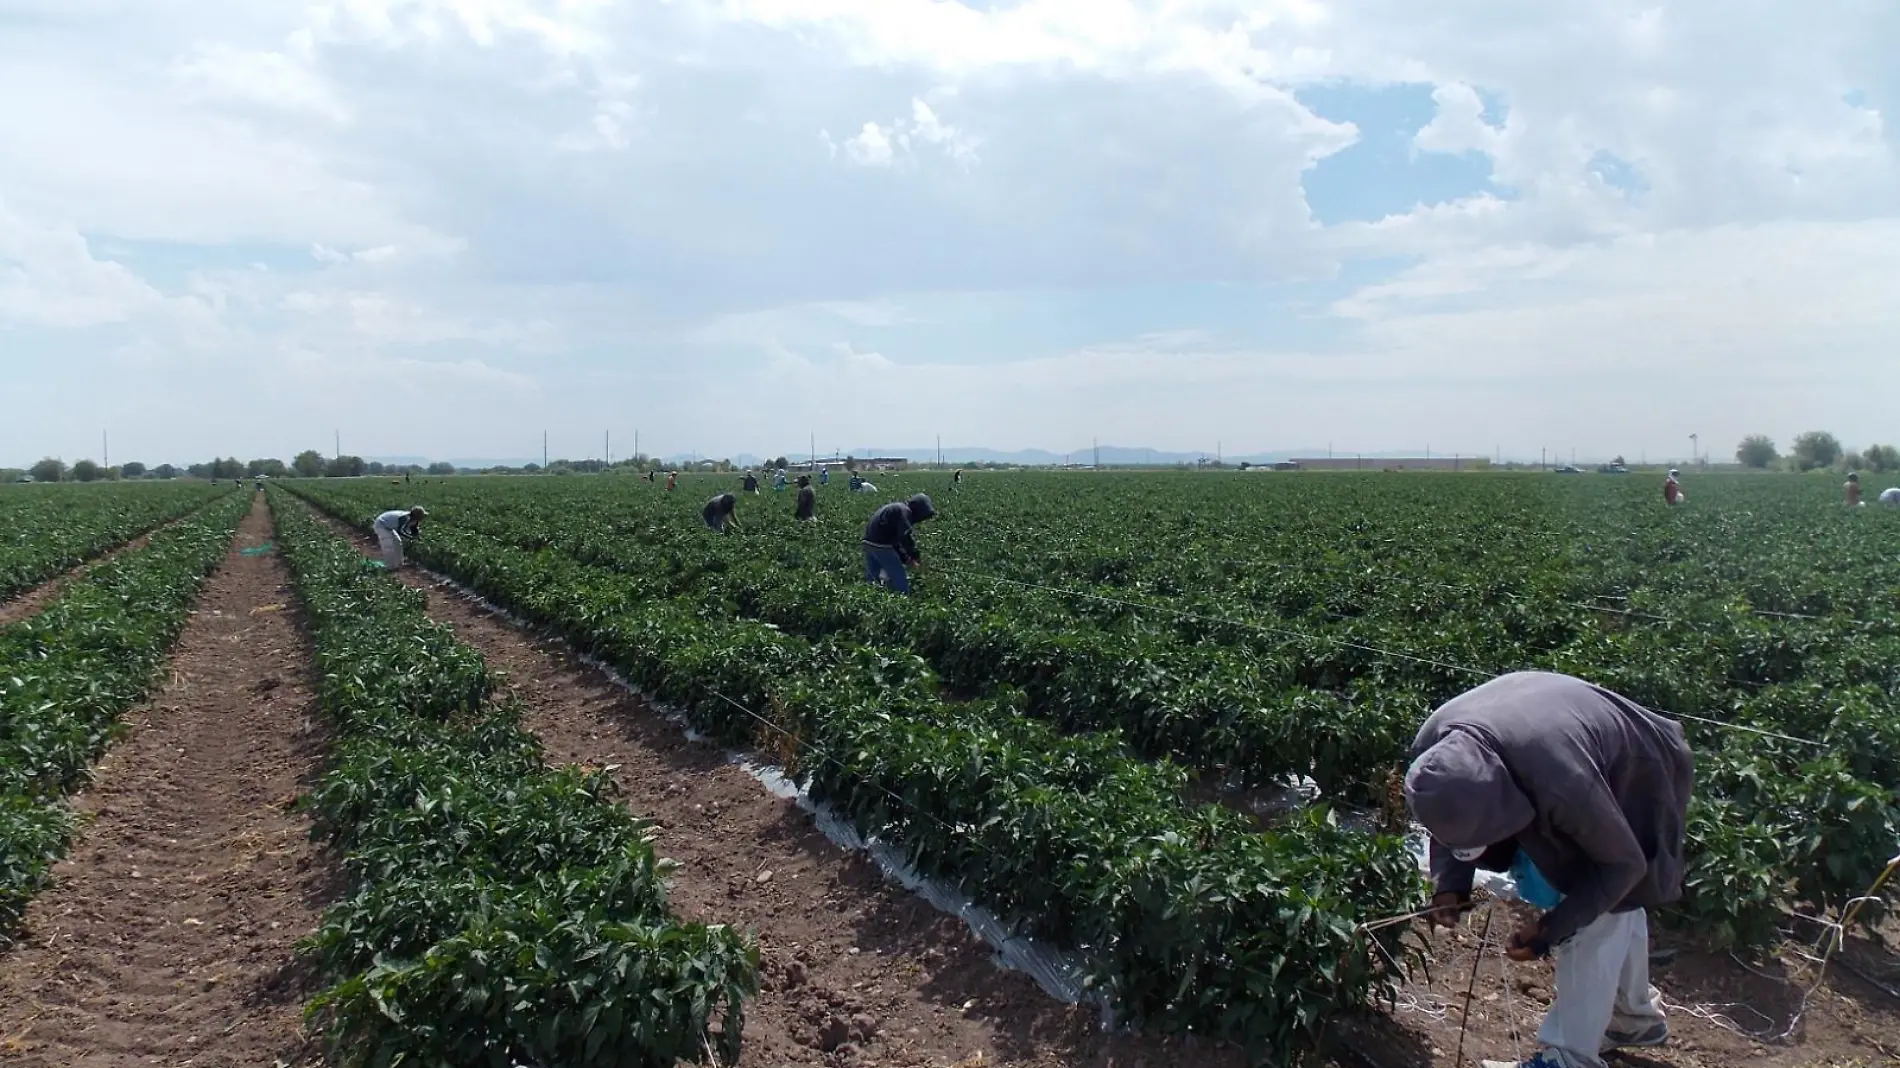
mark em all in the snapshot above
pixel 1058 973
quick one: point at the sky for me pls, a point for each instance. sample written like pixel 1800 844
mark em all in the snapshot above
pixel 442 227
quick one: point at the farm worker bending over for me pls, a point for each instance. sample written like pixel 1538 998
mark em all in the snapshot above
pixel 751 482
pixel 889 546
pixel 1852 489
pixel 1890 497
pixel 1584 794
pixel 393 526
pixel 718 511
pixel 807 500
pixel 1672 490
pixel 672 480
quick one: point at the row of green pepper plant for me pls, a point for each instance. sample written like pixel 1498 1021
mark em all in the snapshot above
pixel 68 673
pixel 47 530
pixel 499 911
pixel 1188 919
pixel 1320 581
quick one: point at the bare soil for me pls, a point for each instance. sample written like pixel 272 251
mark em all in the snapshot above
pixel 1845 1023
pixel 167 935
pixel 857 970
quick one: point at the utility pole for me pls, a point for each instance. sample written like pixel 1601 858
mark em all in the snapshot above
pixel 939 450
pixel 339 444
pixel 544 450
pixel 1694 443
pixel 1098 454
pixel 105 450
pixel 607 448
pixel 1543 458
pixel 1218 457
pixel 636 445
pixel 814 450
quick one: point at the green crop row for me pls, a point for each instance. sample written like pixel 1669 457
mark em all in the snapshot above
pixel 1235 710
pixel 52 529
pixel 1257 627
pixel 1189 918
pixel 69 672
pixel 499 911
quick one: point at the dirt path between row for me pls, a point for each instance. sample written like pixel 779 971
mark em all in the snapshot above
pixel 29 602
pixel 858 971
pixel 1710 999
pixel 167 935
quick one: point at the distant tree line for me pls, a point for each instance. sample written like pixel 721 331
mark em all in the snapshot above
pixel 308 464
pixel 1813 451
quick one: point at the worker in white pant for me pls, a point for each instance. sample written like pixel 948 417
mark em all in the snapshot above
pixel 391 528
pixel 1584 795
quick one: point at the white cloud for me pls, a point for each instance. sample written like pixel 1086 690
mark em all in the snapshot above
pixel 272 79
pixel 559 200
pixel 1459 125
pixel 869 147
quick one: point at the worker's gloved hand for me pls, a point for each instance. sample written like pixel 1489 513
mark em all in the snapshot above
pixel 1446 909
pixel 1528 943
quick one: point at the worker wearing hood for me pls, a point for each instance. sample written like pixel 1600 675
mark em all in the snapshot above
pixel 719 511
pixel 1590 792
pixel 889 544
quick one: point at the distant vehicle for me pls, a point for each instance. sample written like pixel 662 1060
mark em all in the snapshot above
pixel 26 478
pixel 1569 469
pixel 1287 465
pixel 1613 469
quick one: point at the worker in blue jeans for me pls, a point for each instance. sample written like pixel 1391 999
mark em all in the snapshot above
pixel 890 546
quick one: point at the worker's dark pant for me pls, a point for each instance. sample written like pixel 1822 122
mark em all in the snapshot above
pixel 717 522
pixel 884 564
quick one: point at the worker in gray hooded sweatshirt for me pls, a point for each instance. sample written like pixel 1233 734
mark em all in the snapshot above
pixel 1585 793
pixel 889 544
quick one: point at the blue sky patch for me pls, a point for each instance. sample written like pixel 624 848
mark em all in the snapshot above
pixel 1618 173
pixel 1381 174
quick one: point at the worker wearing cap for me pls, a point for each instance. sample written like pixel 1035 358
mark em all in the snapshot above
pixel 1672 489
pixel 1583 791
pixel 889 544
pixel 392 527
pixel 1852 489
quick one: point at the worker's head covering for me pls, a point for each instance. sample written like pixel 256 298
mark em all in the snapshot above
pixel 921 508
pixel 804 480
pixel 1673 472
pixel 1465 796
pixel 418 511
pixel 1853 476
